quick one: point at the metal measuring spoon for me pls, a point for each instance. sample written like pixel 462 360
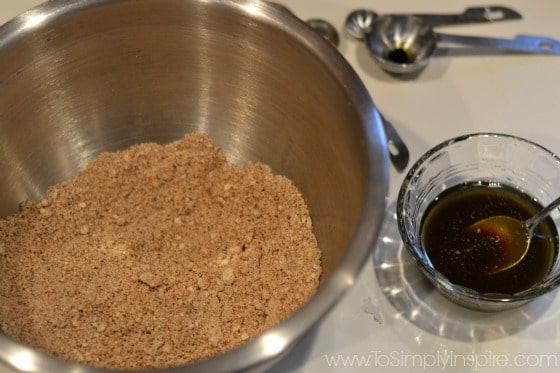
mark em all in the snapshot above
pixel 320 26
pixel 325 29
pixel 515 235
pixel 358 23
pixel 402 44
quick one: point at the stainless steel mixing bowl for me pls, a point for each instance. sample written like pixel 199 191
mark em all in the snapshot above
pixel 81 77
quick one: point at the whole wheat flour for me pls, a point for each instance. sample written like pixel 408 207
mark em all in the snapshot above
pixel 156 256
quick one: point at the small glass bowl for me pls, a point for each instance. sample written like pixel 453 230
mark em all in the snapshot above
pixel 490 158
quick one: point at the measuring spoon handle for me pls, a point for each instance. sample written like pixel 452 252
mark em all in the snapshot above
pixel 471 15
pixel 398 151
pixel 521 43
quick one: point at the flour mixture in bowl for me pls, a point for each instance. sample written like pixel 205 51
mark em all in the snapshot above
pixel 156 256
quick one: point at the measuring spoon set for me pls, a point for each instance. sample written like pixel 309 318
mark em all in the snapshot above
pixel 403 43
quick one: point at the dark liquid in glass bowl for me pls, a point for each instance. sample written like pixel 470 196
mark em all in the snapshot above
pixel 456 255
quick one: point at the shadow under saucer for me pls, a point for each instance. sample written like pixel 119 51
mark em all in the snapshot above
pixel 416 300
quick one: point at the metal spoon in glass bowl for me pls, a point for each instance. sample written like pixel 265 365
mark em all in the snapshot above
pixel 514 235
pixel 403 44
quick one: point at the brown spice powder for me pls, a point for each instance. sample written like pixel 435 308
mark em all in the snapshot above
pixel 156 256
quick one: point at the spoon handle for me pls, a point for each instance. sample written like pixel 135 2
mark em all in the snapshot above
pixel 531 223
pixel 398 151
pixel 521 43
pixel 471 15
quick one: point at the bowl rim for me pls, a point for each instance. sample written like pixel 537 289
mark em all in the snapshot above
pixel 429 271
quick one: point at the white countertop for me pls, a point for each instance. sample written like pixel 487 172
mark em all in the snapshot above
pixel 392 320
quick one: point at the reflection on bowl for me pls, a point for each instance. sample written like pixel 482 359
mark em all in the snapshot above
pixel 487 158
